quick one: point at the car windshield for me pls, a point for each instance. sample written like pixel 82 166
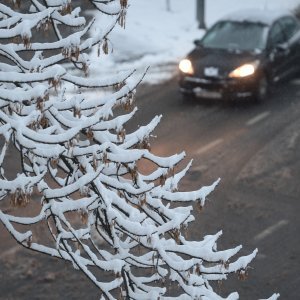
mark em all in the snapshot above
pixel 236 35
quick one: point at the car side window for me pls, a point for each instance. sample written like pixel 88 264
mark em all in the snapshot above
pixel 276 35
pixel 290 27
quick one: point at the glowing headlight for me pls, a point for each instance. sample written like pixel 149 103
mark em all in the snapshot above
pixel 186 66
pixel 244 70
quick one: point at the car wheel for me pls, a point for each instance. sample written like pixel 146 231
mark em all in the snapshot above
pixel 262 89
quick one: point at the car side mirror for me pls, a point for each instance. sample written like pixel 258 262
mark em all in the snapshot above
pixel 197 43
pixel 282 48
pixel 279 50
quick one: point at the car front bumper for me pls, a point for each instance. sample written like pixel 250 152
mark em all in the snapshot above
pixel 218 88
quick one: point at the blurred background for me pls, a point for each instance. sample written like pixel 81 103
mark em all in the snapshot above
pixel 159 33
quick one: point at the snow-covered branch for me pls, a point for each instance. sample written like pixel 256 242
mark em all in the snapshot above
pixel 80 168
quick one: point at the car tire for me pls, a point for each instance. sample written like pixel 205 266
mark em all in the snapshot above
pixel 262 89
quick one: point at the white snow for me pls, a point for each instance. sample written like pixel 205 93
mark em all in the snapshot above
pixel 257 15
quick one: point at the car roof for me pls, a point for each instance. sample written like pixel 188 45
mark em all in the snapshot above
pixel 264 16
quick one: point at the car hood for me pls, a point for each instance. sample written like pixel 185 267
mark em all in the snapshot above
pixel 219 63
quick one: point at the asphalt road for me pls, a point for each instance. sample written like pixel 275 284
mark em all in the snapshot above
pixel 255 149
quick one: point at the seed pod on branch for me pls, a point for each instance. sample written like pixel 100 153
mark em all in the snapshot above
pixel 105 46
pixel 123 3
pixel 122 18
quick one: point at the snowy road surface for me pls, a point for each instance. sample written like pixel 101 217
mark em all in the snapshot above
pixel 256 204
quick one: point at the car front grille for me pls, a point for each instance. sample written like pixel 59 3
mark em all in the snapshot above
pixel 207 83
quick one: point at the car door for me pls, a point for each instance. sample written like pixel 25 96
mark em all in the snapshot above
pixel 277 52
pixel 291 28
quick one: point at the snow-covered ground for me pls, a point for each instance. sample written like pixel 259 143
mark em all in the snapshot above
pixel 158 38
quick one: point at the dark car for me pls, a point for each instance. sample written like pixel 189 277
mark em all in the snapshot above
pixel 242 55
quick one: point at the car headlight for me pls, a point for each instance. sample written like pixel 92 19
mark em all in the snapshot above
pixel 186 66
pixel 244 70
